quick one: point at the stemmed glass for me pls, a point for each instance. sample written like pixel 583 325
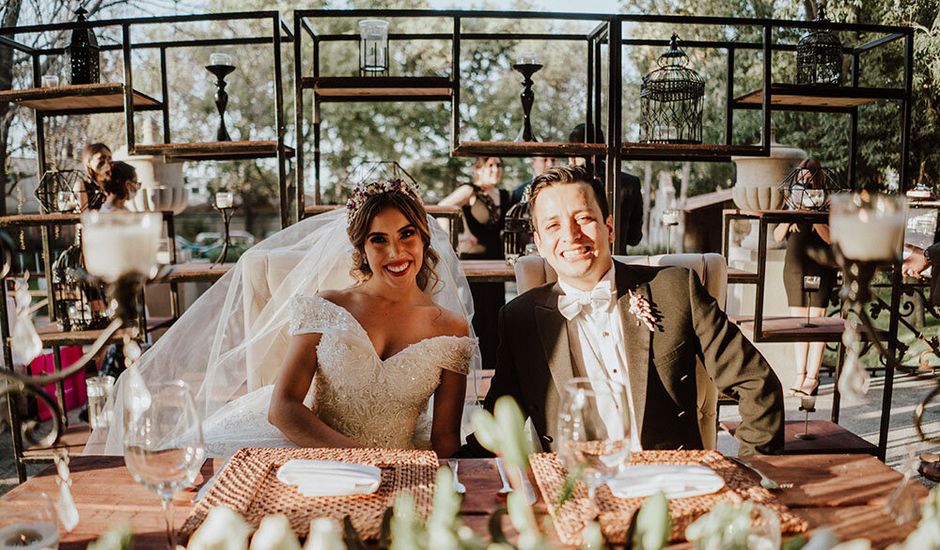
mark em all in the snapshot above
pixel 163 444
pixel 594 430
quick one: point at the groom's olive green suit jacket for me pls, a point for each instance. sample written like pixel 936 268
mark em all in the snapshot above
pixel 535 362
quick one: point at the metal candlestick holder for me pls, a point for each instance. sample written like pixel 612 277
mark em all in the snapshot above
pixel 527 97
pixel 810 284
pixel 226 212
pixel 807 404
pixel 221 97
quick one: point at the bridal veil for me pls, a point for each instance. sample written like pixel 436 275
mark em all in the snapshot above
pixel 232 340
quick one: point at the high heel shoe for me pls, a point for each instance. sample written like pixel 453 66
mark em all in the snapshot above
pixel 810 386
pixel 795 388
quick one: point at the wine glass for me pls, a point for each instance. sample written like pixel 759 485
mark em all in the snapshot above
pixel 163 444
pixel 594 430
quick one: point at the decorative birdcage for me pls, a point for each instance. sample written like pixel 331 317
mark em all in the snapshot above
pixel 517 229
pixel 56 190
pixel 84 52
pixel 810 188
pixel 819 56
pixel 80 303
pixel 671 100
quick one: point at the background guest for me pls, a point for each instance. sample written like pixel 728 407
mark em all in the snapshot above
pixel 120 187
pixel 538 165
pixel 96 159
pixel 798 263
pixel 484 207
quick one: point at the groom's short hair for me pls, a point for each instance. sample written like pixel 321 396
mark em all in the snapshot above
pixel 562 175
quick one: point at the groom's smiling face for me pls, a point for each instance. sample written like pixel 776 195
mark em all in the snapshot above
pixel 572 234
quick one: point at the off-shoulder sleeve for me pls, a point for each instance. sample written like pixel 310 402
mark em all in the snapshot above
pixel 456 353
pixel 313 314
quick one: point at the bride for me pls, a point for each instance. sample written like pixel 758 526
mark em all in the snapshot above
pixel 335 332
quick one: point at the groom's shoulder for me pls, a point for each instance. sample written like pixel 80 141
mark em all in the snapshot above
pixel 529 299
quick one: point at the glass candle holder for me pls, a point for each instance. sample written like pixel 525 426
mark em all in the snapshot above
pixel 28 521
pixel 220 59
pixel 117 244
pixel 868 227
pixel 224 199
pixel 373 46
pixel 527 58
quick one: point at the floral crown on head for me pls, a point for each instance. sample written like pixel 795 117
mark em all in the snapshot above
pixel 363 191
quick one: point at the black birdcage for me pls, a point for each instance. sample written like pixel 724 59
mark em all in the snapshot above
pixel 808 188
pixel 819 56
pixel 56 191
pixel 671 100
pixel 79 303
pixel 83 52
pixel 517 228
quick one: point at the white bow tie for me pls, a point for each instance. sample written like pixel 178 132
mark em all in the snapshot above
pixel 598 299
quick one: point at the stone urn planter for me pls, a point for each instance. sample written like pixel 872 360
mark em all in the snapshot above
pixel 758 178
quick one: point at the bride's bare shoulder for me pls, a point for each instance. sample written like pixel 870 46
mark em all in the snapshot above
pixel 452 324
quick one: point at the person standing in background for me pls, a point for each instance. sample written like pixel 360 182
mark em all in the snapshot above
pixel 484 207
pixel 90 188
pixel 538 165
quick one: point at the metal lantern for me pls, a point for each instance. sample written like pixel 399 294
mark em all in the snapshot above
pixel 819 56
pixel 56 190
pixel 83 52
pixel 810 188
pixel 671 100
pixel 73 311
pixel 517 228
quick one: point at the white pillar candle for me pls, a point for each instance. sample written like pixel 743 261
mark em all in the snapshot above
pixel 224 199
pixel 120 243
pixel 870 230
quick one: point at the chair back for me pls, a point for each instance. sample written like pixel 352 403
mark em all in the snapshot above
pixel 533 271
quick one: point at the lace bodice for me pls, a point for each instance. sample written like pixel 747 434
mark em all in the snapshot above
pixel 376 402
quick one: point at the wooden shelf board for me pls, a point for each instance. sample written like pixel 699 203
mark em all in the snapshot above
pixel 793 95
pixel 488 271
pixel 25 220
pixel 780 216
pixel 432 209
pixel 213 150
pixel 740 276
pixel 707 152
pixel 73 438
pixel 191 272
pixel 791 329
pixel 380 88
pixel 528 149
pixel 80 98
pixel 830 438
pixel 51 335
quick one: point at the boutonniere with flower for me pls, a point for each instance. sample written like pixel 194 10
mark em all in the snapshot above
pixel 641 309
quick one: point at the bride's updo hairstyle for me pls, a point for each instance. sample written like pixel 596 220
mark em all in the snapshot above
pixel 366 202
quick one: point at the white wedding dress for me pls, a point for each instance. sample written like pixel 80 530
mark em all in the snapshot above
pixel 230 344
pixel 378 402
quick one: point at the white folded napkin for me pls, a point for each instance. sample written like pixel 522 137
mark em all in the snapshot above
pixel 329 478
pixel 675 480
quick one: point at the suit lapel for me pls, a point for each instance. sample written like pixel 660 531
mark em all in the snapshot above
pixel 553 335
pixel 636 339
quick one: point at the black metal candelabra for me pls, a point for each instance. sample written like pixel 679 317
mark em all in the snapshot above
pixel 226 212
pixel 221 97
pixel 527 97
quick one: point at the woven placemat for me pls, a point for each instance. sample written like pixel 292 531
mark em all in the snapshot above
pixel 248 484
pixel 615 513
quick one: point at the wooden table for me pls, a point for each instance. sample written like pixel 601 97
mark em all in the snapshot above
pixel 488 271
pixel 846 492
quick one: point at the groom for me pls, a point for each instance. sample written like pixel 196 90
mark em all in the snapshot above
pixel 583 326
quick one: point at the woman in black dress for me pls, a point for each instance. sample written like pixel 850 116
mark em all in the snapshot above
pixel 484 207
pixel 797 264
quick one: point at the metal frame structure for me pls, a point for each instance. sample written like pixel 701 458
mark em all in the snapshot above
pixel 280 32
pixel 603 71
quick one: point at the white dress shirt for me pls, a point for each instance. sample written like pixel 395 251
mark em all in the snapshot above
pixel 596 340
